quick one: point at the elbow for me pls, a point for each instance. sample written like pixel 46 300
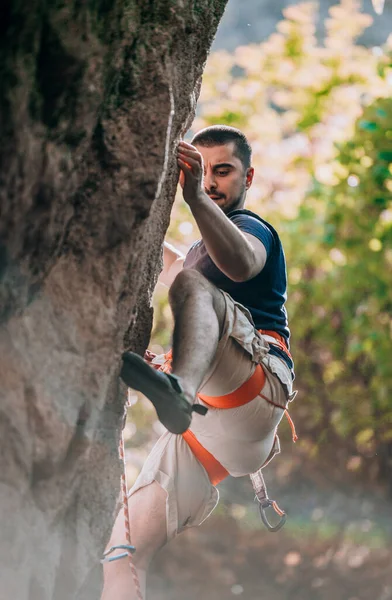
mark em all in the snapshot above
pixel 243 274
pixel 246 271
pixel 241 278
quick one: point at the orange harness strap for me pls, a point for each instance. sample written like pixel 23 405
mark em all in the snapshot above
pixel 246 393
pixel 280 341
pixel 242 395
pixel 216 472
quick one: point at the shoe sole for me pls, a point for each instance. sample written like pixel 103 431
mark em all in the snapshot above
pixel 172 408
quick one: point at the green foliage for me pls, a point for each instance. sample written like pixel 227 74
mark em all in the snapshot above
pixel 319 119
pixel 343 286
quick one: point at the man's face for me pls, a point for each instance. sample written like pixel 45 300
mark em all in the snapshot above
pixel 225 178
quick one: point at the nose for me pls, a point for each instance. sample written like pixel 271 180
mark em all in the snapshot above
pixel 209 181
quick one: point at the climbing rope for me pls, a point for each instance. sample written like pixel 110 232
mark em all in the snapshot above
pixel 124 492
pixel 127 525
pixel 129 549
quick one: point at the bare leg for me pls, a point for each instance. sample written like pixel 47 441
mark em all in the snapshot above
pixel 199 310
pixel 147 514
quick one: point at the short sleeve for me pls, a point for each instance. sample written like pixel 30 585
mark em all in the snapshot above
pixel 258 229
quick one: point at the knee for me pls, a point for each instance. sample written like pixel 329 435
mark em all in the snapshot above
pixel 188 282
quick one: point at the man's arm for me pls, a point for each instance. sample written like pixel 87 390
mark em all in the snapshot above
pixel 173 262
pixel 240 256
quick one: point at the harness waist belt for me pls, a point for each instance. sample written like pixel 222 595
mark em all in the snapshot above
pixel 245 393
pixel 251 388
pixel 280 341
pixel 242 395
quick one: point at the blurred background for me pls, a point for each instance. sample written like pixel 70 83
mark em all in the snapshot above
pixel 311 87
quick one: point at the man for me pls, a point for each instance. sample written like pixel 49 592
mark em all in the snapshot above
pixel 227 298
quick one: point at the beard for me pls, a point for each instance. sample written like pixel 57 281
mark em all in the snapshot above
pixel 226 205
pixel 234 204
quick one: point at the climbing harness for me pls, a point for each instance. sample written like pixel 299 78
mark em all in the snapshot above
pixel 129 549
pixel 242 395
pixel 216 472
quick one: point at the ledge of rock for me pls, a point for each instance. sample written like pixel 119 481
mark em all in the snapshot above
pixel 94 98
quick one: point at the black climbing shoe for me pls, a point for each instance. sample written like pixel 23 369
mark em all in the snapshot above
pixel 163 389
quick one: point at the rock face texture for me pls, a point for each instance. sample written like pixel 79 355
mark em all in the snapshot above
pixel 94 98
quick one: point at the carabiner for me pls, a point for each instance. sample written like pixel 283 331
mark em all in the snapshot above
pixel 266 504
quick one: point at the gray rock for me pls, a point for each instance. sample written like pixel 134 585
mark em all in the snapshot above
pixel 87 180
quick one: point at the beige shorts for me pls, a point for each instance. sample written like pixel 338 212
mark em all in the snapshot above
pixel 241 438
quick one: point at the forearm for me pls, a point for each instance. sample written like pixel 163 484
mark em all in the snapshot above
pixel 226 245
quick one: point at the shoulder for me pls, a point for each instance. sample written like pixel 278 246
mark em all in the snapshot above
pixel 247 216
pixel 250 222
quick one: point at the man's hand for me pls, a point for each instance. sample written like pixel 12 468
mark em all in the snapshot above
pixel 190 162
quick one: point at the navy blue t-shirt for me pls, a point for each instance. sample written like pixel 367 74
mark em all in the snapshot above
pixel 265 294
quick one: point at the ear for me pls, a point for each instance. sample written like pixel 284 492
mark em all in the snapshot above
pixel 249 177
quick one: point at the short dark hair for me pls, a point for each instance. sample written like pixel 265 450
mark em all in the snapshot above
pixel 218 135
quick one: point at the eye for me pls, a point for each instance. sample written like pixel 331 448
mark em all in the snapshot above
pixel 223 172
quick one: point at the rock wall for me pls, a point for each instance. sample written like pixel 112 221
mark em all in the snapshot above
pixel 94 98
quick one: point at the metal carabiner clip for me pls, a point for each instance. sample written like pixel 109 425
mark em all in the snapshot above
pixel 266 504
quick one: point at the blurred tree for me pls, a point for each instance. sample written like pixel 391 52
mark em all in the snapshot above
pixel 319 119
